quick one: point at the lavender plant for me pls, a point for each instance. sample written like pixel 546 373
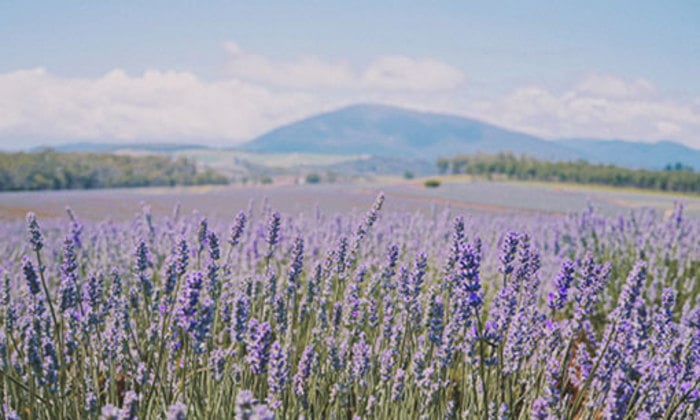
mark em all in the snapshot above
pixel 381 315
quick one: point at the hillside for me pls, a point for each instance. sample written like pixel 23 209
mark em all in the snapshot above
pixel 400 133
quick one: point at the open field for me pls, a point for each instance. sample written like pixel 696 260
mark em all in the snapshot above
pixel 458 192
pixel 473 300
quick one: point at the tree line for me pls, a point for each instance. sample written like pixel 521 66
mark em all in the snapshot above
pixel 49 170
pixel 677 178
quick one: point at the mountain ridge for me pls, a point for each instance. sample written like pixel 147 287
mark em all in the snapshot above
pixel 105 147
pixel 383 130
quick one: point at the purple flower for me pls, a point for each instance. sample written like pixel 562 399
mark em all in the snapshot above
pixel 75 228
pixel 447 348
pixel 279 371
pixel 436 316
pixel 386 365
pixel 665 330
pixel 31 276
pixel 308 357
pixel 360 359
pixel 35 236
pixel 373 311
pixel 141 265
pixel 563 282
pixel 203 234
pixel 189 301
pixel 296 266
pixel 549 404
pixel 418 364
pixel 388 320
pixel 398 385
pixel 214 250
pixel 390 268
pixel 631 292
pixel 214 284
pixel 50 363
pixel 258 345
pixel 170 276
pixel 502 311
pixel 248 408
pixel 539 409
pixel 273 232
pixel 95 291
pixel 262 412
pixel 271 288
pixel 68 286
pixel 177 411
pixel 337 315
pixel 131 406
pixel 371 216
pixel 618 397
pixel 237 229
pixel 217 362
pixel 33 350
pixel 352 297
pixel 242 312
pixel 281 316
pixel 468 293
pixel 110 412
pixel 588 294
pixel 183 256
pixel 508 252
pixel 205 318
pixel 458 237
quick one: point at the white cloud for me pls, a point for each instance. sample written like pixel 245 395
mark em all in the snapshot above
pixel 37 107
pixel 306 72
pixel 610 86
pixel 397 72
pixel 603 106
pixel 387 73
pixel 162 105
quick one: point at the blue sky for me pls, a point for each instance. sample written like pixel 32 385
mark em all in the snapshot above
pixel 223 72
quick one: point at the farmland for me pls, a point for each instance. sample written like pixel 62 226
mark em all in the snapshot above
pixel 471 300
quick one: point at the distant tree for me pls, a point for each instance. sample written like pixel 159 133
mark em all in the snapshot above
pixel 313 178
pixel 432 183
pixel 677 167
pixel 331 177
pixel 408 175
pixel 674 177
pixel 443 165
pixel 50 170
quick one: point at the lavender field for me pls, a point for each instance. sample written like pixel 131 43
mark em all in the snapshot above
pixel 383 313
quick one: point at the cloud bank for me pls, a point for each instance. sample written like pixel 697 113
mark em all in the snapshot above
pixel 157 105
pixel 599 106
pixel 261 93
pixel 386 73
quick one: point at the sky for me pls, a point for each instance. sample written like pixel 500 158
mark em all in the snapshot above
pixel 223 72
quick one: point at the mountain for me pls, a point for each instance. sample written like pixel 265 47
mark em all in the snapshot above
pixel 89 147
pixel 395 132
pixel 634 155
pixel 387 131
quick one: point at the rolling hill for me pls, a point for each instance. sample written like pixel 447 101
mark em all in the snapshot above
pixel 394 132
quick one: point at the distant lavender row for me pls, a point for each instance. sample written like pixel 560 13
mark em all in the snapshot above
pixel 370 315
